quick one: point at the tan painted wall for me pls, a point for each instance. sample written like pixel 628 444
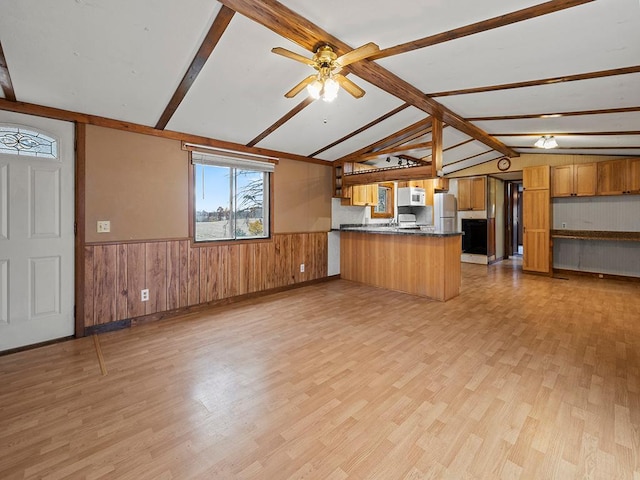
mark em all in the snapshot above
pixel 137 182
pixel 529 160
pixel 140 184
pixel 302 196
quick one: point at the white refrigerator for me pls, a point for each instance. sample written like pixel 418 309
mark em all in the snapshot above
pixel 445 212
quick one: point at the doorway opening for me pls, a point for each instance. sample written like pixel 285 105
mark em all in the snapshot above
pixel 513 222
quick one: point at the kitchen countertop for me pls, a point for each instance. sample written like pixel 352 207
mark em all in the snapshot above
pixel 389 230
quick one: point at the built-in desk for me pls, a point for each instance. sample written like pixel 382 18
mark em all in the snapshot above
pixel 596 235
pixel 411 261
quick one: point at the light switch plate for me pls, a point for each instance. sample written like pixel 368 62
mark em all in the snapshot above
pixel 104 226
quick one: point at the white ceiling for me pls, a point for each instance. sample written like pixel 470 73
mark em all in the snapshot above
pixel 124 60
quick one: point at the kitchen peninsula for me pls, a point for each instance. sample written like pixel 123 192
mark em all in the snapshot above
pixel 406 260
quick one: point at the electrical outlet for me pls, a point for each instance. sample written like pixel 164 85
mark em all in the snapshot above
pixel 302 268
pixel 144 295
pixel 564 225
pixel 104 226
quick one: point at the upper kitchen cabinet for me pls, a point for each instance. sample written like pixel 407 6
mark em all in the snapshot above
pixel 471 193
pixel 536 178
pixel 619 177
pixel 574 180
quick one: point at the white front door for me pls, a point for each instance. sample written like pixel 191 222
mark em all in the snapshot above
pixel 36 229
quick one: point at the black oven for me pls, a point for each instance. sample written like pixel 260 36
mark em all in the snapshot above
pixel 474 239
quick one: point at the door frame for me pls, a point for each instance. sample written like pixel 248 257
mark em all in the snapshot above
pixel 79 227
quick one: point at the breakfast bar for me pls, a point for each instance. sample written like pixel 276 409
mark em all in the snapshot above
pixel 414 261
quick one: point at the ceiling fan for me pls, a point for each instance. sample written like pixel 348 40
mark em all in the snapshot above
pixel 327 81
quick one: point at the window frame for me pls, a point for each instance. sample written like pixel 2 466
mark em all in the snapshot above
pixel 389 213
pixel 192 209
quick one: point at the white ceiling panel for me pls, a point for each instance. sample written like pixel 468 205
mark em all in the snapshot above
pixel 595 94
pixel 585 141
pixel 391 23
pixel 471 162
pixel 379 131
pixel 611 122
pixel 451 136
pixel 584 151
pixel 463 151
pixel 324 122
pixel 240 91
pixel 116 58
pixel 543 47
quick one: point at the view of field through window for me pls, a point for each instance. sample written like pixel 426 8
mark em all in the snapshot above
pixel 230 203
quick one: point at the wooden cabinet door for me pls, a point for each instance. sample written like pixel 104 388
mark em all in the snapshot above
pixel 536 209
pixel 464 194
pixel 535 178
pixel 478 194
pixel 372 194
pixel 584 179
pixel 612 177
pixel 633 175
pixel 536 219
pixel 562 181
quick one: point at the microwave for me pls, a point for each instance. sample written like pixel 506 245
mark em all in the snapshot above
pixel 411 197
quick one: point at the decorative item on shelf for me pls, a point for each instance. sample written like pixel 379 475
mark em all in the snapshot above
pixel 504 164
pixel 546 142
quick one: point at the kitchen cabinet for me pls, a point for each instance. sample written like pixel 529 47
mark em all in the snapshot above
pixel 364 195
pixel 536 219
pixel 574 180
pixel 357 195
pixel 471 193
pixel 619 177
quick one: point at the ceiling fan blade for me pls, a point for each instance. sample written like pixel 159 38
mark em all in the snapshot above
pixel 356 54
pixel 294 56
pixel 300 86
pixel 349 86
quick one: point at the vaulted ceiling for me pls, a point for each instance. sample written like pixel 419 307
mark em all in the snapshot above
pixel 498 74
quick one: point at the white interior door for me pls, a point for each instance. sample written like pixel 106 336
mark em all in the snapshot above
pixel 36 230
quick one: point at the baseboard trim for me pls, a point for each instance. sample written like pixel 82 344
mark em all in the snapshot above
pixel 36 345
pixel 154 317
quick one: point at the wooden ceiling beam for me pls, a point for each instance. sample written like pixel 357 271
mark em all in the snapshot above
pixel 543 81
pixel 361 129
pixel 483 26
pixel 605 111
pixel 5 78
pixel 219 25
pixel 292 26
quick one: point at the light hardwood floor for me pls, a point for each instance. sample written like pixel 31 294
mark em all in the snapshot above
pixel 519 377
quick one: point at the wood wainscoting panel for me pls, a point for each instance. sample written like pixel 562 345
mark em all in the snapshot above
pixel 180 275
pixel 105 283
pixel 89 289
pixel 136 279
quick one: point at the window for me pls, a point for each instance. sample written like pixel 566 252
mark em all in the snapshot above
pixel 231 198
pixel 384 208
pixel 17 140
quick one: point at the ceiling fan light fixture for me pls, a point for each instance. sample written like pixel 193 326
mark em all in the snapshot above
pixel 547 142
pixel 315 89
pixel 330 91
